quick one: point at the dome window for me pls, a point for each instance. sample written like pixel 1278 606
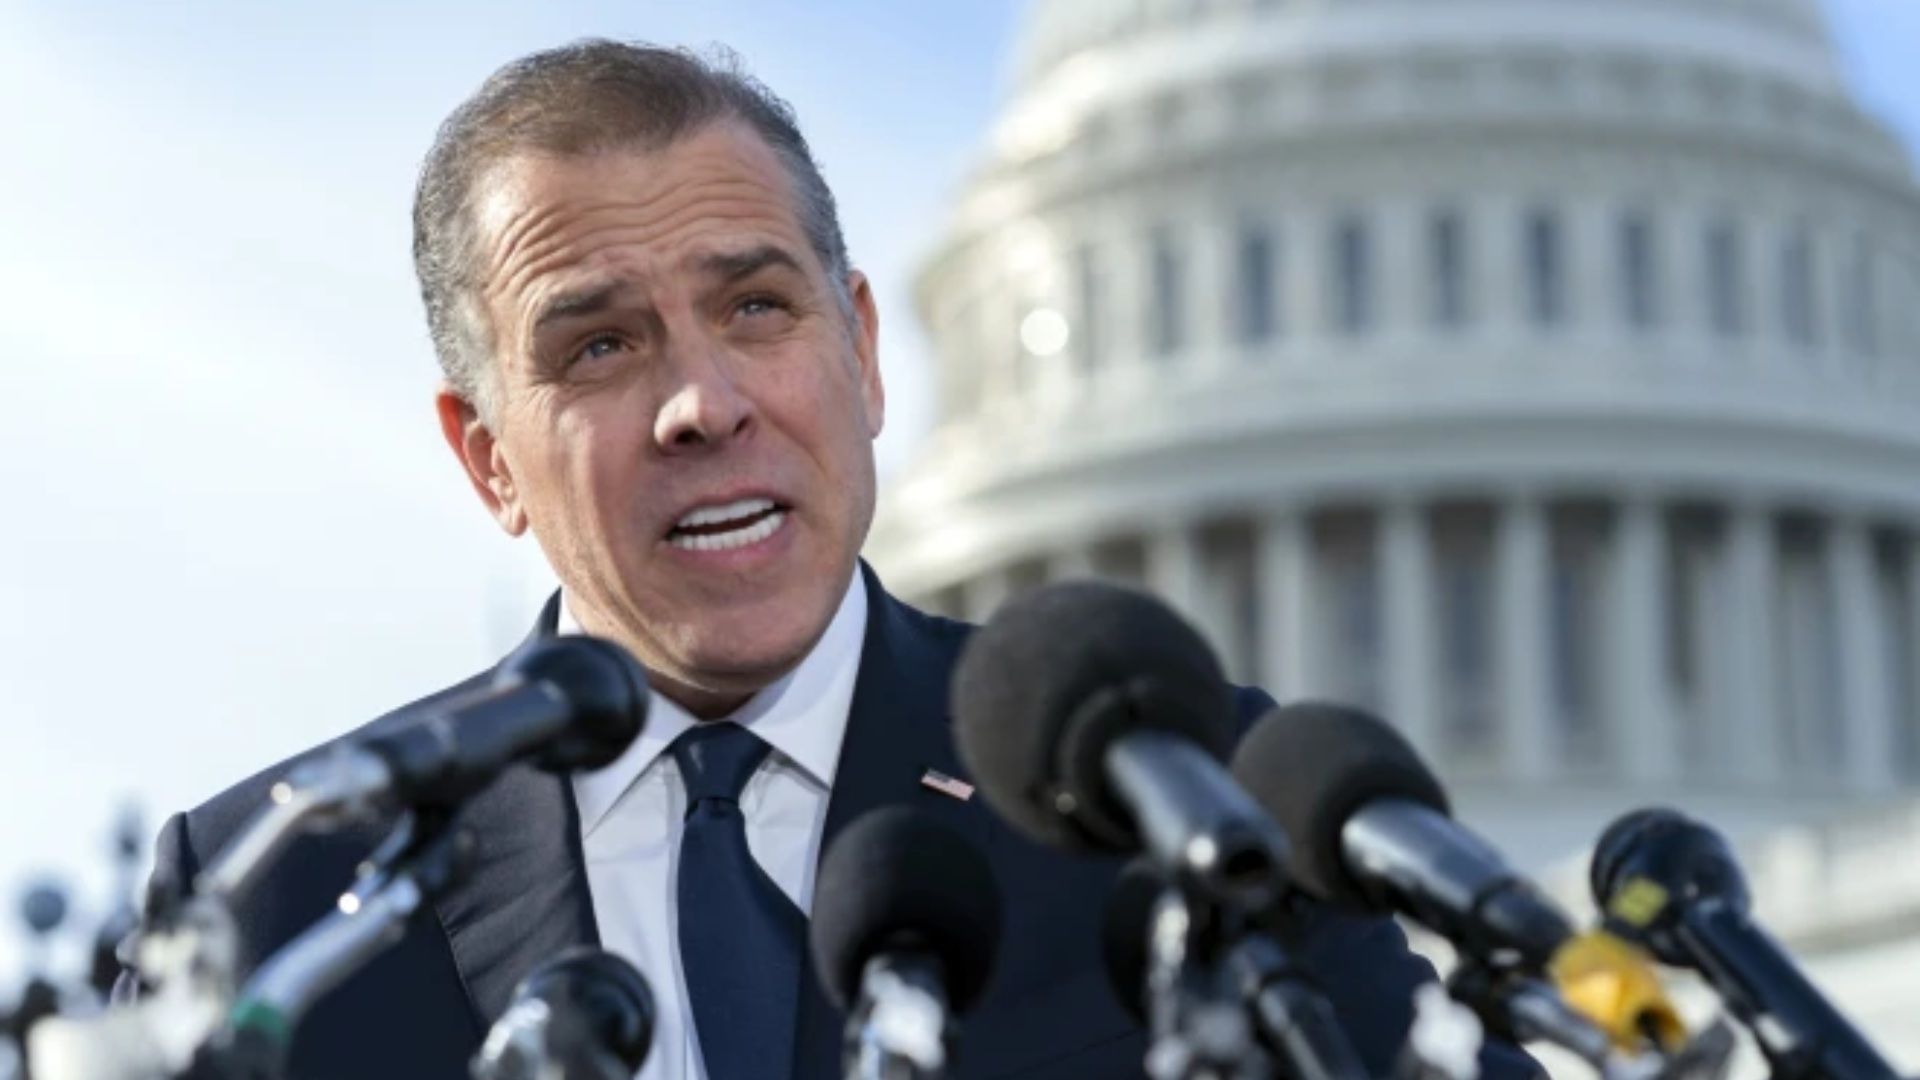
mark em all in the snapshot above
pixel 1447 260
pixel 1862 313
pixel 1797 315
pixel 1724 290
pixel 1166 321
pixel 1088 309
pixel 1255 279
pixel 1352 276
pixel 1639 271
pixel 1546 269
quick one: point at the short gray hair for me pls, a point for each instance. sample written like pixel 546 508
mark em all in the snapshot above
pixel 579 99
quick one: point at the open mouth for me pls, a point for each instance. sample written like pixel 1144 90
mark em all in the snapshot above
pixel 728 526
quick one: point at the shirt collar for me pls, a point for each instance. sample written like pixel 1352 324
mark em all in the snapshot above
pixel 802 715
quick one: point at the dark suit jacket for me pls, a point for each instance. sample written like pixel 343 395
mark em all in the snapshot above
pixel 419 1010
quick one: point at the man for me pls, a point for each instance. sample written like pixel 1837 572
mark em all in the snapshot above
pixel 659 362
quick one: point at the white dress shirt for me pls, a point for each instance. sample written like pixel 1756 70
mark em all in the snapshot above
pixel 631 812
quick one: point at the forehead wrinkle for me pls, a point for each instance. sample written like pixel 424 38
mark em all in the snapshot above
pixel 539 238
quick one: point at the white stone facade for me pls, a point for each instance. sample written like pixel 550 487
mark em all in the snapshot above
pixel 1542 373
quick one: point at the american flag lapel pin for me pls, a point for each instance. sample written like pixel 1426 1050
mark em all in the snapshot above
pixel 947 785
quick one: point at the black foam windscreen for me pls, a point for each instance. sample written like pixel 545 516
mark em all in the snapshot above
pixel 1046 686
pixel 1619 843
pixel 1312 765
pixel 1124 931
pixel 606 686
pixel 897 879
pixel 1689 861
pixel 604 997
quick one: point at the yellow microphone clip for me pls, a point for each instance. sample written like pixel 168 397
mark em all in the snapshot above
pixel 1612 982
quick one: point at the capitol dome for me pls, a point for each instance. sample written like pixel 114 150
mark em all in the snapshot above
pixel 1544 374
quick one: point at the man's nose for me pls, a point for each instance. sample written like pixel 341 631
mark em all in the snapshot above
pixel 707 406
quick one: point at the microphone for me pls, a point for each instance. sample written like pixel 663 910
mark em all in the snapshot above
pixel 1095 719
pixel 906 919
pixel 1373 830
pixel 564 703
pixel 586 1014
pixel 1672 884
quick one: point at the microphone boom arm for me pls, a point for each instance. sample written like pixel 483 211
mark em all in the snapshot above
pixel 419 859
pixel 342 784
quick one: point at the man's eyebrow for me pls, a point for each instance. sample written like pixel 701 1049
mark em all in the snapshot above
pixel 730 266
pixel 572 305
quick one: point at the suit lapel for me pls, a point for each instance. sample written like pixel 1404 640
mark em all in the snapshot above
pixel 897 729
pixel 897 724
pixel 525 897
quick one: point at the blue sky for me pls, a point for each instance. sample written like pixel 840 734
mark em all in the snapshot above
pixel 233 528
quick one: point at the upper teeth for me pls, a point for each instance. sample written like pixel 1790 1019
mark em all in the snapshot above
pixel 709 515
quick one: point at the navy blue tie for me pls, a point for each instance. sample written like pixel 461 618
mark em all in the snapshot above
pixel 740 937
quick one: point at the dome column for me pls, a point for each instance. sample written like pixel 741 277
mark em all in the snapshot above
pixel 1642 721
pixel 1866 682
pixel 1749 731
pixel 1909 767
pixel 1210 289
pixel 983 594
pixel 1306 302
pixel 1590 250
pixel 1175 574
pixel 1680 311
pixel 1496 271
pixel 998 359
pixel 1413 695
pixel 1828 301
pixel 1072 562
pixel 1128 294
pixel 1757 253
pixel 1287 603
pixel 1405 270
pixel 1520 585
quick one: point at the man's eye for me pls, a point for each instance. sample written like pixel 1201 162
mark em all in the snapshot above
pixel 604 345
pixel 759 305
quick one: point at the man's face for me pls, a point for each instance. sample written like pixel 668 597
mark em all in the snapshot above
pixel 683 409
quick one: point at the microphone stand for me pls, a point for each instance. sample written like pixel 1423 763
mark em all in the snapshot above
pixel 1521 1008
pixel 193 942
pixel 1224 1001
pixel 905 1031
pixel 187 1028
pixel 188 961
pixel 423 854
pixel 1198 1032
pixel 337 786
pixel 1294 1018
pixel 187 958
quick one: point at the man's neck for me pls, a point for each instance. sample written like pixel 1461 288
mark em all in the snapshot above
pixel 701 704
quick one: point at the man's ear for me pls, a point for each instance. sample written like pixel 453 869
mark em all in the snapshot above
pixel 866 351
pixel 480 455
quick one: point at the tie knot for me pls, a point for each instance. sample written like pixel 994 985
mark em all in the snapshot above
pixel 716 759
